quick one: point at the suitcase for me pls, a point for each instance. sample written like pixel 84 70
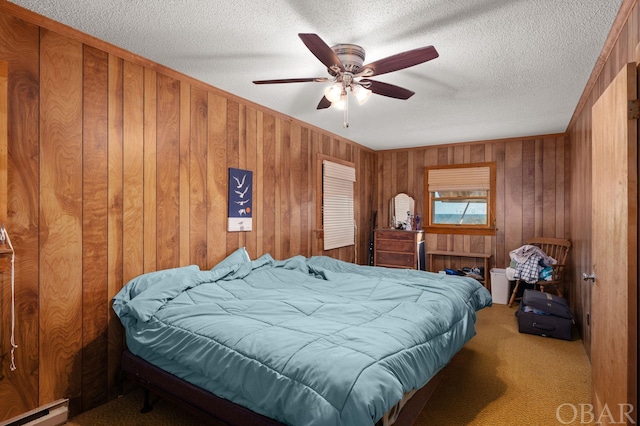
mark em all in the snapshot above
pixel 547 302
pixel 544 314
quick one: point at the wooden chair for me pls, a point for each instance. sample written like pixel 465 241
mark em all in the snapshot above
pixel 556 248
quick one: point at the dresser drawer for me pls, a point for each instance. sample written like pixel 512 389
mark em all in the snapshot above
pixel 397 245
pixel 397 260
pixel 396 235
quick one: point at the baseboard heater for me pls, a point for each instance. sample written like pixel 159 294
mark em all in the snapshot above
pixel 53 414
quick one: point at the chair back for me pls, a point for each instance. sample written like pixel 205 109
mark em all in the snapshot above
pixel 557 248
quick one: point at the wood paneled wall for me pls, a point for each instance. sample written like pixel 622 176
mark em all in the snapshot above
pixel 19 46
pixel 118 166
pixel 619 50
pixel 531 185
pixel 4 71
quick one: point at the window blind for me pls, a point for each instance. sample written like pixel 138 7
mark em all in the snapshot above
pixel 337 205
pixel 459 179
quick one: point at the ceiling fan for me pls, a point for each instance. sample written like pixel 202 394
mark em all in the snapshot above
pixel 344 63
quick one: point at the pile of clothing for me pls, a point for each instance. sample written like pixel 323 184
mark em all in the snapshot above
pixel 475 272
pixel 530 264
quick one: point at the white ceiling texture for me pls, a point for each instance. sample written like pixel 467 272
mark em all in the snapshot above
pixel 506 68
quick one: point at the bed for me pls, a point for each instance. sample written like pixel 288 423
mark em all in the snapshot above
pixel 300 341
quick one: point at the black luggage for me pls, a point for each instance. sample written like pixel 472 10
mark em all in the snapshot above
pixel 544 314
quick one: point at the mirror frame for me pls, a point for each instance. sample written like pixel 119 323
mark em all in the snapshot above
pixel 393 221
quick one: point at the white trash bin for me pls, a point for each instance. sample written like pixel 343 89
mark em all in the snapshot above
pixel 499 286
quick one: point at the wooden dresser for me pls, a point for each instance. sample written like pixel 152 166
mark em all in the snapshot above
pixel 398 249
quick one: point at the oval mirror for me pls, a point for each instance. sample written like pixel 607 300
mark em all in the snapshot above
pixel 400 207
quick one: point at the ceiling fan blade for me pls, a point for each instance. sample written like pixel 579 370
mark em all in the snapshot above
pixel 386 89
pixel 292 80
pixel 324 103
pixel 399 61
pixel 321 50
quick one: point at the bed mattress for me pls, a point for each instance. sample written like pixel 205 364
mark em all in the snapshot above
pixel 312 341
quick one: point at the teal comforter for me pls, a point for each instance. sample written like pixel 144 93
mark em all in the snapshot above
pixel 304 341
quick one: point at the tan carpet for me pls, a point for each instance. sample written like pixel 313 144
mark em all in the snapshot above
pixel 501 377
pixel 125 411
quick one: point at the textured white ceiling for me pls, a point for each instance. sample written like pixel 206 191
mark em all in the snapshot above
pixel 507 68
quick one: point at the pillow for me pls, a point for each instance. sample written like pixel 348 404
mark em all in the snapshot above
pixel 237 257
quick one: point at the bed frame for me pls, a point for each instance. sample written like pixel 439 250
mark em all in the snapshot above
pixel 223 412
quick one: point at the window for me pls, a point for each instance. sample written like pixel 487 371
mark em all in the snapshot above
pixel 460 199
pixel 337 204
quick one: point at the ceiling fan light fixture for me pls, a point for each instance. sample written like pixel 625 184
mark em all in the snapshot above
pixel 342 102
pixel 333 92
pixel 360 93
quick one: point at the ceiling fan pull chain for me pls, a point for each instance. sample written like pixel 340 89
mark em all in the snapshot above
pixel 345 124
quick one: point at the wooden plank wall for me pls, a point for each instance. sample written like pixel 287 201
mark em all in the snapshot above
pixel 118 166
pixel 619 50
pixel 4 69
pixel 531 185
pixel 19 46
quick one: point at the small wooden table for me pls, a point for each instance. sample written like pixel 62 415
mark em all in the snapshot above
pixel 486 259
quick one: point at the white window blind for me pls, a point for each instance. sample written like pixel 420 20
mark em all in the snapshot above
pixel 337 205
pixel 459 179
